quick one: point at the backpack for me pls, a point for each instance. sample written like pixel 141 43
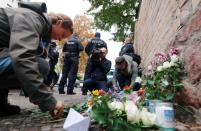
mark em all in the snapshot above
pixel 136 58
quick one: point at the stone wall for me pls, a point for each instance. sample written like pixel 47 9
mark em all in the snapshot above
pixel 166 23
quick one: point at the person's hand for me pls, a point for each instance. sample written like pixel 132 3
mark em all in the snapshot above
pixel 58 110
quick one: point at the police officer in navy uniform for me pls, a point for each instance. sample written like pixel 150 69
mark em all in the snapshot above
pixel 71 51
pixel 95 43
pixel 127 49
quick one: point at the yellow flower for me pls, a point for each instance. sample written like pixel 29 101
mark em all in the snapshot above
pixel 95 92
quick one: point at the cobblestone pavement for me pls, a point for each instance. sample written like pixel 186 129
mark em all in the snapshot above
pixel 24 121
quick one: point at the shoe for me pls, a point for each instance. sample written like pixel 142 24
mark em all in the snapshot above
pixel 7 110
pixel 84 93
pixel 71 93
pixel 61 92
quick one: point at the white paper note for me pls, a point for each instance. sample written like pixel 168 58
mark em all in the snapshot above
pixel 76 122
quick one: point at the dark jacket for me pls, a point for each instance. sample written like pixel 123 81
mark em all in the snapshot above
pixel 53 54
pixel 97 70
pixel 127 49
pixel 27 28
pixel 72 47
pixel 94 43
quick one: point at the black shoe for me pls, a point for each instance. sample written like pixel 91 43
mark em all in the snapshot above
pixel 84 93
pixel 61 92
pixel 7 110
pixel 71 93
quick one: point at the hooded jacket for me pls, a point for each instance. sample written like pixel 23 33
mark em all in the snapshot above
pixel 27 27
pixel 132 71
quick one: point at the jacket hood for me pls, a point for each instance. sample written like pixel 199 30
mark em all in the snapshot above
pixel 129 61
pixel 36 6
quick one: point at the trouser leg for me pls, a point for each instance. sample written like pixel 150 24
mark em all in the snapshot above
pixel 90 85
pixel 65 73
pixel 72 75
pixel 7 109
pixel 102 85
pixel 3 96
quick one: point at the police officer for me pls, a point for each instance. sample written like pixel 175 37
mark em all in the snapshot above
pixel 127 49
pixel 71 51
pixel 95 43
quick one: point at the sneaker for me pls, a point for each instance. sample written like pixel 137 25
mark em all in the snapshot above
pixel 7 110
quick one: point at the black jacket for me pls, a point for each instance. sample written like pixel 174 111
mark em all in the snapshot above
pixel 97 70
pixel 72 47
pixel 95 43
pixel 127 49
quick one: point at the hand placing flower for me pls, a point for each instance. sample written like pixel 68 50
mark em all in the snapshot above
pixel 140 92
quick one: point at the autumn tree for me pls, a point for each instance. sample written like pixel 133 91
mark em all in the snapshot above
pixel 83 28
pixel 120 14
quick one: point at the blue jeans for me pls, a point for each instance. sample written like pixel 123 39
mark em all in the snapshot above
pixel 90 84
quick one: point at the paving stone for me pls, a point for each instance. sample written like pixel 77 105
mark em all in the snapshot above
pixel 46 128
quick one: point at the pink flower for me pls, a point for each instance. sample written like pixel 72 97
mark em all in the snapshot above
pixel 102 92
pixel 174 51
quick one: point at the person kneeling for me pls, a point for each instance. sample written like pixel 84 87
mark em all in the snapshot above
pixel 96 71
pixel 125 74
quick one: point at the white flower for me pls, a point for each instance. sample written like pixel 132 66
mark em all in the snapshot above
pixel 132 112
pixel 149 67
pixel 166 65
pixel 119 106
pixel 147 118
pixel 99 101
pixel 115 105
pixel 172 63
pixel 111 105
pixel 165 82
pixel 159 68
pixel 174 58
pixel 138 79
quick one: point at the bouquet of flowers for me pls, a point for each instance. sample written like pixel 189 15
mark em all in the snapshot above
pixel 164 79
pixel 117 111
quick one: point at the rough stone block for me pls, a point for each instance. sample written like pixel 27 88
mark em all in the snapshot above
pixel 192 57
